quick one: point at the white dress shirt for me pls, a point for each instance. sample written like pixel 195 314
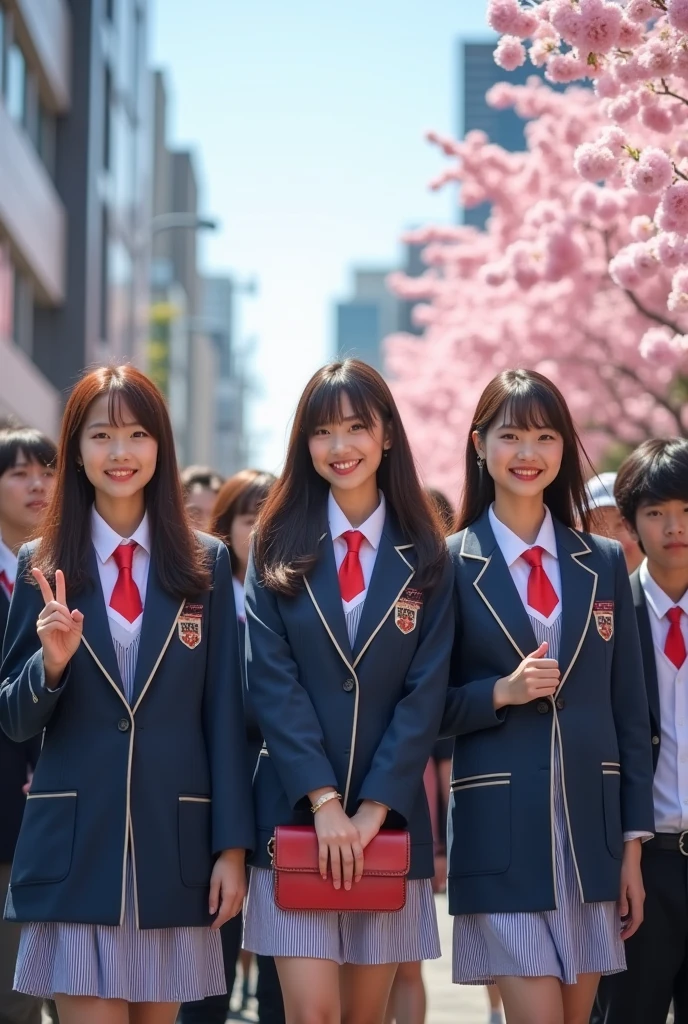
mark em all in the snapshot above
pixel 8 564
pixel 512 547
pixel 105 541
pixel 372 534
pixel 671 776
pixel 239 599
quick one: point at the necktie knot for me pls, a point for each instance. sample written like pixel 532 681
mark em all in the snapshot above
pixel 674 615
pixel 533 556
pixel 124 555
pixel 354 539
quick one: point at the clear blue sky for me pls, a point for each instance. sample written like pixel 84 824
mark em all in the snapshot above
pixel 307 119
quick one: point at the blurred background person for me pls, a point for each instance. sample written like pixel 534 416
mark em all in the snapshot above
pixel 606 520
pixel 232 519
pixel 201 486
pixel 27 472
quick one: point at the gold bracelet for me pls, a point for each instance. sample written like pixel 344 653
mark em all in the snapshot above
pixel 324 799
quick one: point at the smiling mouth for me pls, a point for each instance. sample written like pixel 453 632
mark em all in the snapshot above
pixel 526 474
pixel 120 474
pixel 676 545
pixel 345 467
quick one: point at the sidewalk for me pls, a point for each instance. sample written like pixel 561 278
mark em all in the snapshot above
pixel 447 1003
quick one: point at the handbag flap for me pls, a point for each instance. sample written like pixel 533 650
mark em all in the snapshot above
pixel 296 849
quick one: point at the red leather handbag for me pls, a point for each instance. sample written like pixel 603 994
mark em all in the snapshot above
pixel 300 886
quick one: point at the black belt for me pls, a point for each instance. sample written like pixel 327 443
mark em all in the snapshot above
pixel 676 841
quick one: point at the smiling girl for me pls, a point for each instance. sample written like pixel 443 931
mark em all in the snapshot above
pixel 552 771
pixel 132 845
pixel 349 631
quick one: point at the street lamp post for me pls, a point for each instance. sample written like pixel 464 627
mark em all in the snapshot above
pixel 182 221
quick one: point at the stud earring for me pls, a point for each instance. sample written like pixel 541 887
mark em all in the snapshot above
pixel 385 453
pixel 481 461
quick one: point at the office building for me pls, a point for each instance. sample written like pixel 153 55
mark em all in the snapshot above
pixel 367 318
pixel 74 196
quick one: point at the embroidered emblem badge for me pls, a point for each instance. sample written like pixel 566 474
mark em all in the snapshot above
pixel 604 618
pixel 407 608
pixel 189 625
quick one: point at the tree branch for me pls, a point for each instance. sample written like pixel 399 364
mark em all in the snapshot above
pixel 657 317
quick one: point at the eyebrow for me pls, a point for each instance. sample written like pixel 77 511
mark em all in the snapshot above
pixel 92 426
pixel 515 426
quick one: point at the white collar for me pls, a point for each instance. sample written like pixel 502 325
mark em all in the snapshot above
pixel 8 561
pixel 371 529
pixel 105 540
pixel 512 546
pixel 655 596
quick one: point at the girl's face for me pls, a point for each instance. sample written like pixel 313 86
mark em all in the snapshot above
pixel 25 490
pixel 348 454
pixel 522 462
pixel 240 536
pixel 118 460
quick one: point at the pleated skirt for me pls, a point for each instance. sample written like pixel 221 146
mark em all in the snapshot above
pixel 361 938
pixel 151 965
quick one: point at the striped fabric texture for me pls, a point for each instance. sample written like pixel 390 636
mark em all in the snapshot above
pixel 407 935
pixel 111 962
pixel 576 938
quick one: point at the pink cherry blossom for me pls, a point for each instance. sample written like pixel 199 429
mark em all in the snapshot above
pixel 642 228
pixel 653 172
pixel 661 344
pixel 672 214
pixel 657 118
pixel 594 162
pixel 565 67
pixel 623 108
pixel 599 26
pixel 640 10
pixel 655 58
pixel 508 18
pixel 678 298
pixel 671 249
pixel 510 53
pixel 677 11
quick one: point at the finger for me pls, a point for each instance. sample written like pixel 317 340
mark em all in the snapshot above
pixel 543 664
pixel 336 867
pixel 358 861
pixel 225 911
pixel 78 617
pixel 623 904
pixel 214 896
pixel 348 866
pixel 46 592
pixel 60 587
pixel 322 858
pixel 541 651
pixel 54 614
pixel 53 627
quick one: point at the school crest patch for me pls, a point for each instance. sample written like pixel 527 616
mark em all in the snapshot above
pixel 189 625
pixel 604 618
pixel 407 608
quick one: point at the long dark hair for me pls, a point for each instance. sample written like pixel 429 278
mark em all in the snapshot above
pixel 291 520
pixel 179 558
pixel 241 495
pixel 527 400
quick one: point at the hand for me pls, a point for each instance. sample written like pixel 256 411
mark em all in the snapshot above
pixel 632 898
pixel 369 819
pixel 59 630
pixel 227 886
pixel 340 843
pixel 536 677
pixel 26 788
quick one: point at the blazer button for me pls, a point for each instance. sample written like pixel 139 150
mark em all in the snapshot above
pixel 561 703
pixel 543 707
pixel 123 725
pixel 655 741
pixel 348 685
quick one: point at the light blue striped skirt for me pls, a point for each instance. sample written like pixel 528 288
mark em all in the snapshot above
pixel 151 965
pixel 576 938
pixel 407 935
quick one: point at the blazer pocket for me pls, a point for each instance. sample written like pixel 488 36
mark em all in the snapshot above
pixel 611 797
pixel 195 856
pixel 481 823
pixel 46 839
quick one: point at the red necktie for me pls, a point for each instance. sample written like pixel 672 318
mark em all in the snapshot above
pixel 125 597
pixel 675 646
pixel 6 583
pixel 541 594
pixel 351 582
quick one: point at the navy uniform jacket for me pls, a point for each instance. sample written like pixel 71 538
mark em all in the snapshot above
pixel 165 781
pixel 362 720
pixel 501 831
pixel 649 664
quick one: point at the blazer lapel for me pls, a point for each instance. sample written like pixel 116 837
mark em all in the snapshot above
pixel 159 618
pixel 97 638
pixel 392 573
pixel 496 587
pixel 322 585
pixel 647 648
pixel 579 586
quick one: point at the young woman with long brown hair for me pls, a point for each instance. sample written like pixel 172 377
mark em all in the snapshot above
pixel 349 630
pixel 552 770
pixel 131 851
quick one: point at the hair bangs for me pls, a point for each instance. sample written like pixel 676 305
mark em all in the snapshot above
pixel 666 478
pixel 30 443
pixel 531 408
pixel 124 395
pixel 250 499
pixel 325 404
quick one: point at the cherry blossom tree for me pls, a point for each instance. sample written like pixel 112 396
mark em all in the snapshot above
pixel 582 271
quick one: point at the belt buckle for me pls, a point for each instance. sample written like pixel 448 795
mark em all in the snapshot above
pixel 683 843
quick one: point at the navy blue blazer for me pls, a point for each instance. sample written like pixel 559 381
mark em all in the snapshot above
pixel 165 781
pixel 362 720
pixel 649 664
pixel 501 830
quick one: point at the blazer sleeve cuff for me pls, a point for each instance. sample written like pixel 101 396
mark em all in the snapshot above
pixel 384 791
pixel 470 708
pixel 301 779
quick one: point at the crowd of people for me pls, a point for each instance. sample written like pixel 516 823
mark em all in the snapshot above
pixel 191 664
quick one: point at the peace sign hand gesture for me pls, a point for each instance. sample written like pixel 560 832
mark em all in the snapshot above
pixel 59 630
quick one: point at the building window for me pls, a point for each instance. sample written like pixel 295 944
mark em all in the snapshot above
pixel 110 10
pixel 23 312
pixel 46 138
pixel 16 97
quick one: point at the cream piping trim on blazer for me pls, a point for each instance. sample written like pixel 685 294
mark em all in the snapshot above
pixel 476 582
pixel 352 668
pixel 129 831
pixel 49 796
pixel 575 556
pixel 477 778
